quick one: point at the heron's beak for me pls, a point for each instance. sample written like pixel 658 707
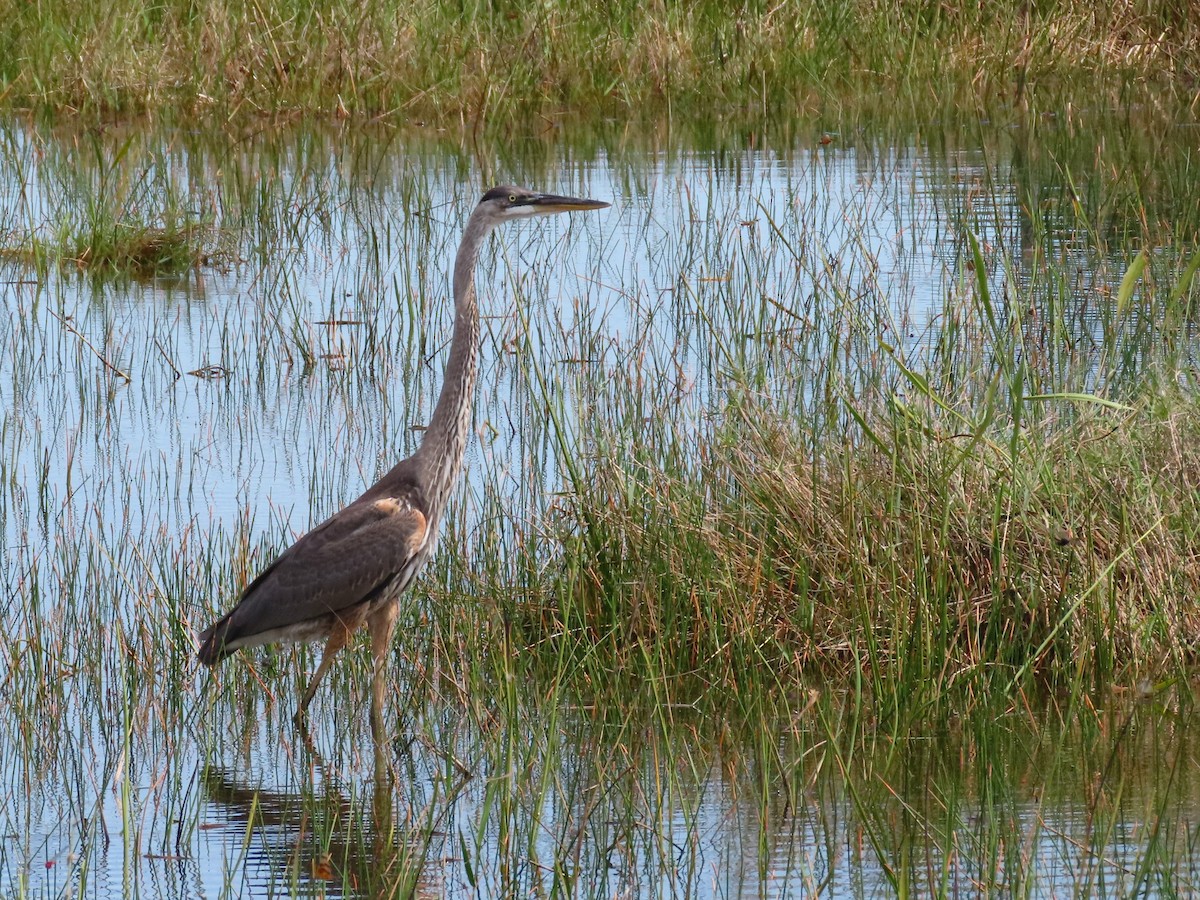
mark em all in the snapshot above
pixel 552 203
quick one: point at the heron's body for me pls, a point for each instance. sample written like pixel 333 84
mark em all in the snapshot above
pixel 353 567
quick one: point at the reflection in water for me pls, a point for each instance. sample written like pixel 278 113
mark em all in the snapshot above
pixel 623 806
pixel 317 840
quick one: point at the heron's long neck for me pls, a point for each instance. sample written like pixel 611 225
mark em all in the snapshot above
pixel 445 439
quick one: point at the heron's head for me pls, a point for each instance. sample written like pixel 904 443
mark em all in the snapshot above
pixel 507 202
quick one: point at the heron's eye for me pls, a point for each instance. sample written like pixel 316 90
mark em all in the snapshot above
pixel 512 198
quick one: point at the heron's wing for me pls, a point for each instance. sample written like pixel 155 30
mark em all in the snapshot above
pixel 336 565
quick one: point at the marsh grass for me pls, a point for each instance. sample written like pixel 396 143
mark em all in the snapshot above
pixel 472 62
pixel 949 533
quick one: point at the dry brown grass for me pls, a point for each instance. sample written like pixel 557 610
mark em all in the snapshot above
pixel 930 555
pixel 444 63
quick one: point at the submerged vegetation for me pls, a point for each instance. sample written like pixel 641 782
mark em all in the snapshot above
pixel 476 62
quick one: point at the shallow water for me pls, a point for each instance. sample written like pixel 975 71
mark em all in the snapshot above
pixel 263 393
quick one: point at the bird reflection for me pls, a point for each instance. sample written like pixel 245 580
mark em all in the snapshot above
pixel 321 834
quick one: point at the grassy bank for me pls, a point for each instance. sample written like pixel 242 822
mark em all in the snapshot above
pixel 447 63
pixel 920 554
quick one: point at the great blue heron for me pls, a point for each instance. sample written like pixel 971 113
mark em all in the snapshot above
pixel 352 567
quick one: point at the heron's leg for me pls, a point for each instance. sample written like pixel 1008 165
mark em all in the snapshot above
pixel 337 640
pixel 381 623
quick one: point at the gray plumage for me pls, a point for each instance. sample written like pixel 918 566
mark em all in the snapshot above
pixel 353 567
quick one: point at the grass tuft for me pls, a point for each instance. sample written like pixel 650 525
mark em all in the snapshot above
pixel 118 247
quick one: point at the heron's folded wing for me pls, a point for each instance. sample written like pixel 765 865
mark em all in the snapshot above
pixel 334 566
